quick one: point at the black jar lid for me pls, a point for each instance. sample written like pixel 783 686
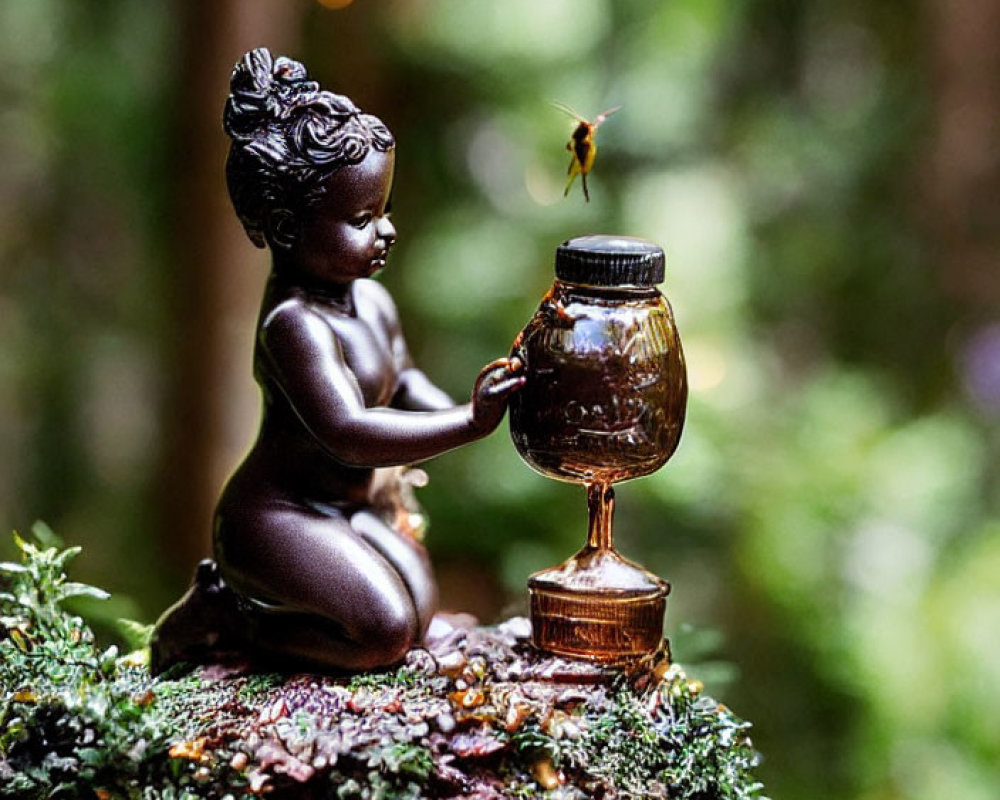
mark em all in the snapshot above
pixel 610 261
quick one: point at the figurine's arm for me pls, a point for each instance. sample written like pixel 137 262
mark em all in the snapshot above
pixel 305 358
pixel 414 390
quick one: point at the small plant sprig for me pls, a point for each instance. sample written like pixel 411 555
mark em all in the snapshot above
pixel 49 647
pixel 72 715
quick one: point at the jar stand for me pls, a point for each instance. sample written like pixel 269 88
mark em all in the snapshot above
pixel 598 605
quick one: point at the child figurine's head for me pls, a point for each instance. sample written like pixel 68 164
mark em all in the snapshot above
pixel 289 136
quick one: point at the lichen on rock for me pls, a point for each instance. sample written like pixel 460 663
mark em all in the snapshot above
pixel 476 713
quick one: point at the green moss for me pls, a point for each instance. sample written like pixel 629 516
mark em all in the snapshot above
pixel 383 679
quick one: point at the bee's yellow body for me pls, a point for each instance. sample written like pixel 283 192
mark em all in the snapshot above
pixel 582 147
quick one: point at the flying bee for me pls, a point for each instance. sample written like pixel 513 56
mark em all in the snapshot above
pixel 582 146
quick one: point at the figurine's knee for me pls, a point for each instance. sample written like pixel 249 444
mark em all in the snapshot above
pixel 388 630
pixel 407 558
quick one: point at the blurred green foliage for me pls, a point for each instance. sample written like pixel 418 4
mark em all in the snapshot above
pixel 832 508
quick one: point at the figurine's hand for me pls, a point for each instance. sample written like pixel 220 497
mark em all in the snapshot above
pixel 498 380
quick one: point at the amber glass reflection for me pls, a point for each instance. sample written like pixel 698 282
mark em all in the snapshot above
pixel 606 389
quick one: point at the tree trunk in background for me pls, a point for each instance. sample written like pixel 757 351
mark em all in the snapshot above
pixel 964 169
pixel 212 410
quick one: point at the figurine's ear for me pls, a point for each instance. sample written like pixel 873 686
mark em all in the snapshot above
pixel 282 229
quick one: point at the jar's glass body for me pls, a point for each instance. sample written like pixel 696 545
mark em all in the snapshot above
pixel 606 384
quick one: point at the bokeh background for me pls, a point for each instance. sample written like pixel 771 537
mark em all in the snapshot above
pixel 825 178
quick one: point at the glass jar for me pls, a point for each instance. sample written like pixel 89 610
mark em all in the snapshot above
pixel 606 387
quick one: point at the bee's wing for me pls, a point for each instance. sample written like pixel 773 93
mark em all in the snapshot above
pixel 604 115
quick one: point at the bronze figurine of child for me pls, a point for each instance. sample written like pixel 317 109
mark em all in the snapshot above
pixel 316 557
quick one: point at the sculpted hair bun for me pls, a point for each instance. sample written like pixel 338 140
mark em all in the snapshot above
pixel 288 137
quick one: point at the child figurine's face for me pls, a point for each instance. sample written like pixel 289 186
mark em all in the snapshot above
pixel 347 233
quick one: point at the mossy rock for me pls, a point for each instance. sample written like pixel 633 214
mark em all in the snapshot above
pixel 477 713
